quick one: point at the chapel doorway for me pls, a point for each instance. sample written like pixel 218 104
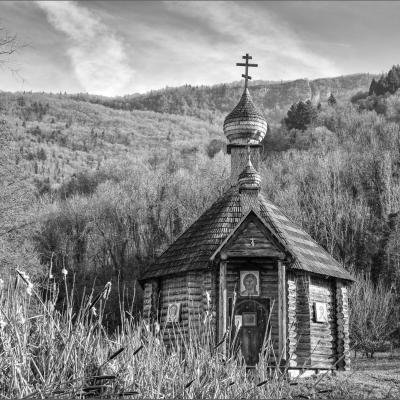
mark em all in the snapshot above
pixel 250 320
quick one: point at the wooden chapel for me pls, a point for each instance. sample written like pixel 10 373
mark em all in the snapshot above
pixel 245 261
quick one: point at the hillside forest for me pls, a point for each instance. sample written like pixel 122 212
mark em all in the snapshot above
pixel 96 187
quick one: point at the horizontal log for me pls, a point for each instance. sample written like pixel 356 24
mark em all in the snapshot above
pixel 319 329
pixel 303 355
pixel 320 290
pixel 255 253
pixel 194 289
pixel 167 296
pixel 170 328
pixel 194 299
pixel 180 327
pixel 324 359
pixel 321 295
pixel 323 349
pixel 173 286
pixel 179 297
pixel 317 337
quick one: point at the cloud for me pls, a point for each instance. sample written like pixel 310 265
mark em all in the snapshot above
pixel 256 29
pixel 97 55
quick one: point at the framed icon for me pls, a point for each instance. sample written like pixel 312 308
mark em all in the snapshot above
pixel 249 319
pixel 249 283
pixel 238 321
pixel 173 313
pixel 320 312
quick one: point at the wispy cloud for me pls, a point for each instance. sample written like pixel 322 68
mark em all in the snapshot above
pixel 257 29
pixel 97 55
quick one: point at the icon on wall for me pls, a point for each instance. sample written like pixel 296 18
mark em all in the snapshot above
pixel 249 319
pixel 320 312
pixel 174 311
pixel 249 283
pixel 238 321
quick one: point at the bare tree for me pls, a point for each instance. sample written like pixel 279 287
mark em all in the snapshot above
pixel 9 44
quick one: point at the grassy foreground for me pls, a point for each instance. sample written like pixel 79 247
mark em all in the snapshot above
pixel 45 353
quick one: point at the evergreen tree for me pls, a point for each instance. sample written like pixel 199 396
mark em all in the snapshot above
pixel 372 87
pixel 389 83
pixel 393 79
pixel 301 115
pixel 332 100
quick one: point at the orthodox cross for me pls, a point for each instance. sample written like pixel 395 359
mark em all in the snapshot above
pixel 247 65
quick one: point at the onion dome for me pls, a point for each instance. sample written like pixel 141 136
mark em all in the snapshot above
pixel 245 124
pixel 249 178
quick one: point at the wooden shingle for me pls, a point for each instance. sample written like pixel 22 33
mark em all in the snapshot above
pixel 194 247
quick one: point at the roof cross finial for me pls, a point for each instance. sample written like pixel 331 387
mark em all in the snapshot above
pixel 247 65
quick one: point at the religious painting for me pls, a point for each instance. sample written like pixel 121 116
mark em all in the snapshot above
pixel 174 311
pixel 249 319
pixel 320 312
pixel 238 321
pixel 249 283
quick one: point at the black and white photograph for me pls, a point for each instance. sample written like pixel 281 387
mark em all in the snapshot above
pixel 199 199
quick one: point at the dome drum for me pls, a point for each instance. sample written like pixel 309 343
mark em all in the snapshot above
pixel 254 144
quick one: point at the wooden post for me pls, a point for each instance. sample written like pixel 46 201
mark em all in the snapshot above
pixel 282 310
pixel 222 300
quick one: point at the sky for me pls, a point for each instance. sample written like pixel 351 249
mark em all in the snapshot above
pixel 114 48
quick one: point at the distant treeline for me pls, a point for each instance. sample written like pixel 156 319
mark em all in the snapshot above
pixel 389 82
pixel 212 103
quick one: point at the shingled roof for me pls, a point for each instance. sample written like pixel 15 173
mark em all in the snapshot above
pixel 245 122
pixel 244 109
pixel 193 249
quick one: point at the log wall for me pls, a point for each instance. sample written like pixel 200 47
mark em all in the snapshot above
pixel 174 290
pixel 299 317
pixel 323 334
pixel 197 315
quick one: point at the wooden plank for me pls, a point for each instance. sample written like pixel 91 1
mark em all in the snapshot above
pixel 255 253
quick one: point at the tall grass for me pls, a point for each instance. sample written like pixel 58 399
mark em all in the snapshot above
pixel 45 352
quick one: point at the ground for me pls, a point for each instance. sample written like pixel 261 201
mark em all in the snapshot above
pixel 376 378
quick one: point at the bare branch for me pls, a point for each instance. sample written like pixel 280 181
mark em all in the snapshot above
pixel 9 44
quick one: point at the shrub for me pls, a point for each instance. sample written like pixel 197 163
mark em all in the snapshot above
pixel 215 146
pixel 372 315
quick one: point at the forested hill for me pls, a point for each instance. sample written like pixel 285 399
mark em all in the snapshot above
pixel 214 102
pixel 114 187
